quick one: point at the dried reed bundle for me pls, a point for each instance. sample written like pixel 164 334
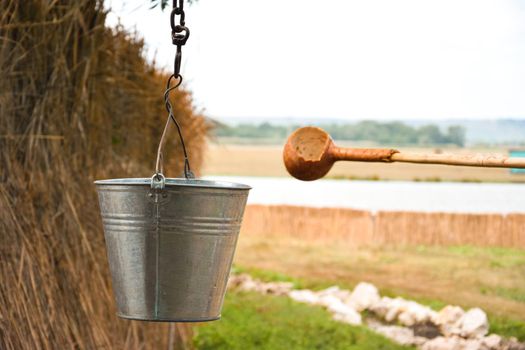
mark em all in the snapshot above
pixel 78 102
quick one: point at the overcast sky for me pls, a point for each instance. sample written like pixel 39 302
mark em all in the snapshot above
pixel 347 59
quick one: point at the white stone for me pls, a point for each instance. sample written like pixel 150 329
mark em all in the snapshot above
pixel 442 343
pixel 449 315
pixel 336 292
pixel 512 344
pixel 381 307
pixel 249 286
pixel 327 299
pixel 492 341
pixel 246 283
pixel 337 306
pixel 401 335
pixel 331 299
pixel 364 296
pixel 474 323
pixel 474 344
pixel 329 291
pixel 350 316
pixel 243 282
pixel 276 288
pixel 406 319
pixel 448 320
pixel 304 296
pixel 235 280
pixel 395 307
pixel 413 313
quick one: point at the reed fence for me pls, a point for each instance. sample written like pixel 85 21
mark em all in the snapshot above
pixel 358 227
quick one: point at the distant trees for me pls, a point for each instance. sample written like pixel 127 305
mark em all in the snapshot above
pixel 456 135
pixel 254 131
pixel 396 133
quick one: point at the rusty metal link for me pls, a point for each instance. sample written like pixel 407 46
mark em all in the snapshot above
pixel 179 32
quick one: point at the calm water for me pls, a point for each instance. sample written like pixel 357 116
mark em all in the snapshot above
pixel 387 195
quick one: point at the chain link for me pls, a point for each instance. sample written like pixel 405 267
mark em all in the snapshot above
pixel 179 32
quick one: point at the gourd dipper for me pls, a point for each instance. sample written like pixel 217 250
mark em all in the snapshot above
pixel 310 153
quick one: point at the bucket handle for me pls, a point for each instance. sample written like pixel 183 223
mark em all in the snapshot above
pixel 158 180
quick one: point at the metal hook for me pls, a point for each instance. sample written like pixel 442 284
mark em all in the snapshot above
pixel 159 165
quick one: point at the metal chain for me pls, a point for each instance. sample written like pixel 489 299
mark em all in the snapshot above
pixel 179 35
pixel 179 32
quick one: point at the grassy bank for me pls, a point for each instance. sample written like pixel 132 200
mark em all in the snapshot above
pixel 490 278
pixel 253 321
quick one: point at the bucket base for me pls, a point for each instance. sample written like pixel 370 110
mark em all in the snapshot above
pixel 137 318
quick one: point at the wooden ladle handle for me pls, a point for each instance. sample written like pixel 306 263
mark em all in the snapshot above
pixel 477 160
pixel 362 154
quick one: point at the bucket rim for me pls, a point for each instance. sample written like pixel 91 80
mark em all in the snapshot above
pixel 174 182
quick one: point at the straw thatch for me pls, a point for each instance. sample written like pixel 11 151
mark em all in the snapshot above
pixel 77 102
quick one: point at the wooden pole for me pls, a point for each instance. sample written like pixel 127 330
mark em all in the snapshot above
pixel 477 160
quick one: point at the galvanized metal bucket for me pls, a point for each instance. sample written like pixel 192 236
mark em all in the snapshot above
pixel 170 244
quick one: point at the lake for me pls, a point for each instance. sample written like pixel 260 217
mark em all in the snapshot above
pixel 387 195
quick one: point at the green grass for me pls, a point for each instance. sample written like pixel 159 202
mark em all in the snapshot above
pixel 507 327
pixel 507 257
pixel 508 293
pixel 253 321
